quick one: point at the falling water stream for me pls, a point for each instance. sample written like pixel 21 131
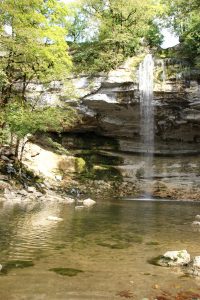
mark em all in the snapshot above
pixel 147 118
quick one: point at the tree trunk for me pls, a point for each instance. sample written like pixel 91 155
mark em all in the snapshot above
pixel 17 149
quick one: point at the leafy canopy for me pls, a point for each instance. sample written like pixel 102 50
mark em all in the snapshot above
pixel 115 30
pixel 183 15
pixel 23 120
pixel 35 47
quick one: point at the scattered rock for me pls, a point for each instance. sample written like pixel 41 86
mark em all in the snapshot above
pixel 88 202
pixel 69 200
pixel 31 189
pixel 79 207
pixel 5 158
pixel 172 259
pixel 194 267
pixel 22 192
pixel 38 194
pixel 53 218
pixel 4 185
pixel 197 217
pixel 196 223
pixel 3 177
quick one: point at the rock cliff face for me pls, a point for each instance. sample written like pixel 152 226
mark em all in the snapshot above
pixel 110 107
pixel 113 109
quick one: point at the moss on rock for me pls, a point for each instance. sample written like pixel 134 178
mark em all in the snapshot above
pixel 66 271
pixel 80 164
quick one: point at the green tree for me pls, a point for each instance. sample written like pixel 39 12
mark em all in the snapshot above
pixel 118 28
pixel 183 15
pixel 24 120
pixel 35 48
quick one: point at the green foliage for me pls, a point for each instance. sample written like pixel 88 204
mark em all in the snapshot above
pixel 80 164
pixel 118 27
pixel 184 16
pixel 23 120
pixel 35 48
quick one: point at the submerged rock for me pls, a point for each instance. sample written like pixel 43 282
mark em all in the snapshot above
pixel 15 264
pixel 194 267
pixel 54 218
pixel 79 207
pixel 89 202
pixel 172 259
pixel 66 271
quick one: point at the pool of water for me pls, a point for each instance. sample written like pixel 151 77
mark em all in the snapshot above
pixel 110 243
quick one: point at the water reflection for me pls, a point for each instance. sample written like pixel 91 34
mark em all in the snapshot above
pixel 113 240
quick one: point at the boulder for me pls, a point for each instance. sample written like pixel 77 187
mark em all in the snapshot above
pixel 174 258
pixel 196 224
pixel 194 267
pixel 197 217
pixel 88 202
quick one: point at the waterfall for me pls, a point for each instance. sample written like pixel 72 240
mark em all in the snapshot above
pixel 147 118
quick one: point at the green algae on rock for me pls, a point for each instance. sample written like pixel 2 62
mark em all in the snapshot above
pixel 15 264
pixel 66 271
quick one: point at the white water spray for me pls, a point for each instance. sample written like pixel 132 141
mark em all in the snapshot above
pixel 147 117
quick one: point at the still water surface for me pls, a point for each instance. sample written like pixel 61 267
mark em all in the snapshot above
pixel 111 243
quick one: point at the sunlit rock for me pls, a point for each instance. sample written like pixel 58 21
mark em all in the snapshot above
pixel 197 217
pixel 89 202
pixel 196 224
pixel 174 258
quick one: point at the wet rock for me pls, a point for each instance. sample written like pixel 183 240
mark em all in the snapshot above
pixel 16 264
pixel 194 267
pixel 89 202
pixel 54 218
pixel 172 259
pixel 196 224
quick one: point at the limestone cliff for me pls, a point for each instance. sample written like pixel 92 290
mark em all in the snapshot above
pixel 110 107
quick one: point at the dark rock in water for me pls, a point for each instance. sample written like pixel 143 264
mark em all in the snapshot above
pixel 15 264
pixel 66 271
pixel 114 245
